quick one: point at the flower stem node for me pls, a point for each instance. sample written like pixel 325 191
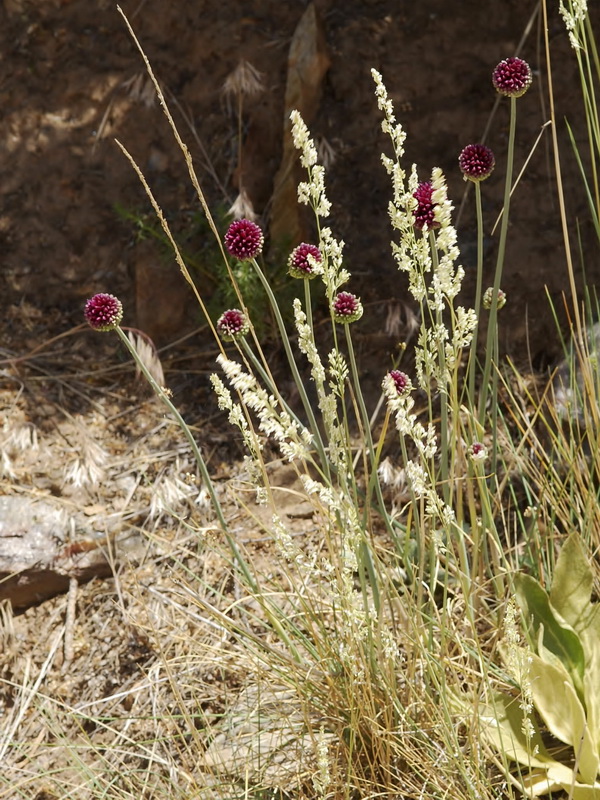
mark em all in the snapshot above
pixel 512 77
pixel 244 239
pixel 103 312
pixel 346 308
pixel 488 296
pixel 301 262
pixel 476 162
pixel 424 213
pixel 233 324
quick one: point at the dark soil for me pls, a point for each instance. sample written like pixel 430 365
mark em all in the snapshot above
pixel 72 81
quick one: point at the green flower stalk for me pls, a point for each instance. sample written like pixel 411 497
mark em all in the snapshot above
pixel 104 312
pixel 512 78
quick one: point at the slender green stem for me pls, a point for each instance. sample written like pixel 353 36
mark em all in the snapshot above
pixel 292 362
pixel 365 552
pixel 493 318
pixel 161 393
pixel 442 387
pixel 478 292
pixel 372 482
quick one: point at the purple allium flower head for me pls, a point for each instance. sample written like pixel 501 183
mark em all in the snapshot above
pixel 232 324
pixel 476 162
pixel 103 312
pixel 424 212
pixel 346 308
pixel 512 77
pixel 244 239
pixel 298 263
pixel 488 296
pixel 401 381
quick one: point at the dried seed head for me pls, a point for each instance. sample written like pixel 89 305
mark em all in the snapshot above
pixel 244 239
pixel 232 324
pixel 299 263
pixel 244 79
pixel 476 162
pixel 512 77
pixel 346 308
pixel 242 208
pixel 103 312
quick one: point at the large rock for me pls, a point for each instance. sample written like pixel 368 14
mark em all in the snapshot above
pixel 42 548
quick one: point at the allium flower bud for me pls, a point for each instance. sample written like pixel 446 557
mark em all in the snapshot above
pixel 477 451
pixel 512 77
pixel 346 308
pixel 298 263
pixel 232 324
pixel 424 212
pixel 476 162
pixel 401 381
pixel 244 239
pixel 103 312
pixel 489 294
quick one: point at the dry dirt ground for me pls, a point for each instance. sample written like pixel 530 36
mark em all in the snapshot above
pixel 79 432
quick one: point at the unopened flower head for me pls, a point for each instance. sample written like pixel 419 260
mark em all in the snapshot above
pixel 476 162
pixel 103 312
pixel 401 382
pixel 299 263
pixel 512 77
pixel 233 324
pixel 244 239
pixel 477 452
pixel 488 296
pixel 346 308
pixel 424 213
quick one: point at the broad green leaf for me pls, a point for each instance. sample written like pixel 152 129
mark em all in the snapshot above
pixel 571 589
pixel 582 792
pixel 539 781
pixel 501 723
pixel 591 686
pixel 556 701
pixel 558 636
pixel 571 594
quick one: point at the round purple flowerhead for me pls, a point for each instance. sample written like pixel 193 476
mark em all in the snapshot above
pixel 424 212
pixel 232 324
pixel 401 382
pixel 476 162
pixel 298 262
pixel 244 239
pixel 512 77
pixel 346 308
pixel 103 312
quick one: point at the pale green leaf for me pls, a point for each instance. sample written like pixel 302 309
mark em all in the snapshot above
pixel 558 636
pixel 571 590
pixel 557 703
pixel 501 723
pixel 583 792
